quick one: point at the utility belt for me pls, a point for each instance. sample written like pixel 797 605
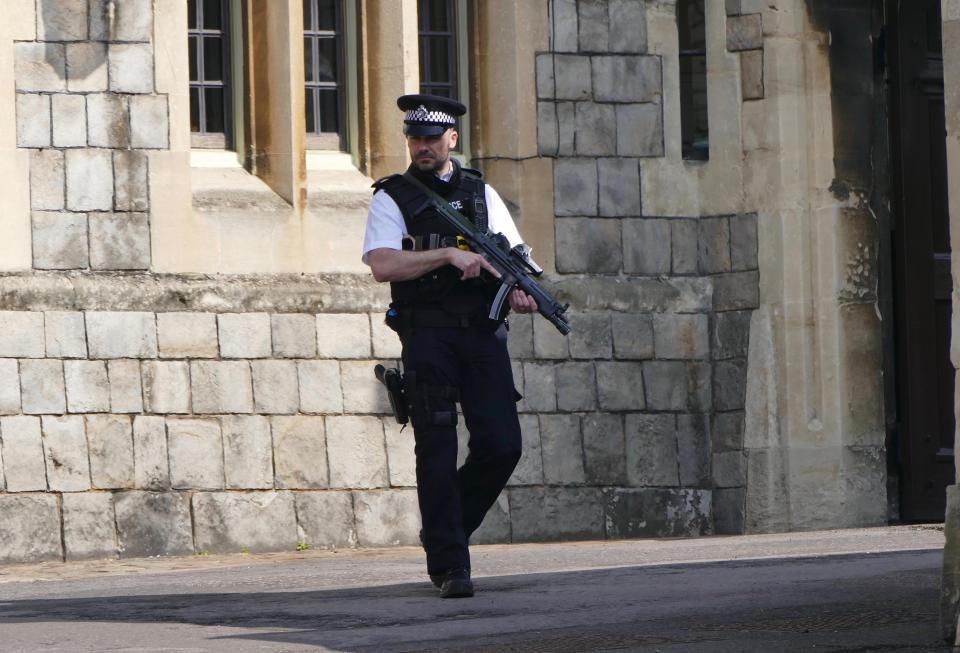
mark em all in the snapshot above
pixel 434 241
pixel 402 319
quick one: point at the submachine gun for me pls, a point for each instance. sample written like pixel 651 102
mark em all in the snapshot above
pixel 516 268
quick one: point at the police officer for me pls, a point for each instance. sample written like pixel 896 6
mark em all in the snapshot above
pixel 452 351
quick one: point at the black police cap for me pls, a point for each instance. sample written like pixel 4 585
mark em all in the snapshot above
pixel 429 115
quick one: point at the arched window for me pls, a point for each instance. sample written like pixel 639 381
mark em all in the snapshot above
pixel 695 130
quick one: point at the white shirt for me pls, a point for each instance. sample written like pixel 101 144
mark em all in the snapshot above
pixel 386 228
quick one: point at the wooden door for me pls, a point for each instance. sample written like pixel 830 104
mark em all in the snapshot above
pixel 921 249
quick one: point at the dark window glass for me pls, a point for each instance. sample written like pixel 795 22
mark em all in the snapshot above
pixel 209 57
pixel 323 67
pixel 695 131
pixel 438 48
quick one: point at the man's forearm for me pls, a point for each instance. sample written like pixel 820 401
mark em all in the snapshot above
pixel 398 265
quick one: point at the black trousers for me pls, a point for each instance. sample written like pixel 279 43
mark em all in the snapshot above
pixel 442 364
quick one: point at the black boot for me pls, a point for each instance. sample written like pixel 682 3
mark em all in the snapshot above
pixel 456 584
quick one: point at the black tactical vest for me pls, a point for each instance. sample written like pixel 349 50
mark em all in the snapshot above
pixel 442 287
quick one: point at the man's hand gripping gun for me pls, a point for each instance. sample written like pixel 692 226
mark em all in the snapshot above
pixel 516 268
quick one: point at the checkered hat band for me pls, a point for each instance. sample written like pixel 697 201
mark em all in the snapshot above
pixel 420 115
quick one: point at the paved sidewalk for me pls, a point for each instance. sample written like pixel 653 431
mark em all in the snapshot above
pixel 856 590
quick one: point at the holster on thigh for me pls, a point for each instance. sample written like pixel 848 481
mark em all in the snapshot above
pixel 430 404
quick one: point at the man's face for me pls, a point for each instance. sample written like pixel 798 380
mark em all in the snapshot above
pixel 431 153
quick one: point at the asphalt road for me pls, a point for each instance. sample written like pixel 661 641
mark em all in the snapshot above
pixel 866 590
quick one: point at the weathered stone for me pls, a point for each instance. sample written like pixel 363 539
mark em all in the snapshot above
pixel 88 526
pixel 294 336
pixel 300 452
pixel 130 172
pixel 729 469
pixel 21 334
pixel 221 387
pixel 751 74
pixel 401 461
pixel 120 241
pixel 69 120
pixel 195 448
pixel 355 449
pixel 658 513
pixel 643 246
pixel 728 511
pixel 729 384
pixel 735 291
pixel 59 241
pixel 244 335
pixel 275 387
pixel 562 450
pixel 31 528
pixel 544 514
pixel 40 67
pixel 65 450
pixel 89 180
pixel 572 77
pixel 88 388
pixel 684 243
pixel 548 130
pixel 387 517
pixel 594 26
pixel 700 386
pixel 33 120
pixel 575 187
pixel 621 78
pixel 743 242
pixel 591 336
pixel 187 335
pixel 619 180
pixel 386 342
pixel 726 431
pixel 62 20
pixel 325 519
pixel 362 393
pixel 604 451
pixel 520 336
pixel 153 524
pixel 110 438
pixel 66 334
pixel 693 450
pixel 666 385
pixel 166 387
pixel 714 245
pixel 620 385
pixel 132 21
pixel 149 122
pixel 681 336
pixel 539 387
pixel 131 70
pixel 632 335
pixel 48 182
pixel 108 120
pixel 564 33
pixel 640 130
pixel 548 342
pixel 247 452
pixel 576 386
pixel 343 335
pixel 41 387
pixel 628 26
pixel 86 67
pixel 126 390
pixel 588 245
pixel 731 334
pixel 566 128
pixel 320 386
pixel 9 390
pixel 733 7
pixel 495 527
pixel 151 469
pixel 230 522
pixel 596 129
pixel 545 79
pixel 744 33
pixel 651 447
pixel 529 471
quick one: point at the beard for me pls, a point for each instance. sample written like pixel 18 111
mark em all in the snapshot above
pixel 433 165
